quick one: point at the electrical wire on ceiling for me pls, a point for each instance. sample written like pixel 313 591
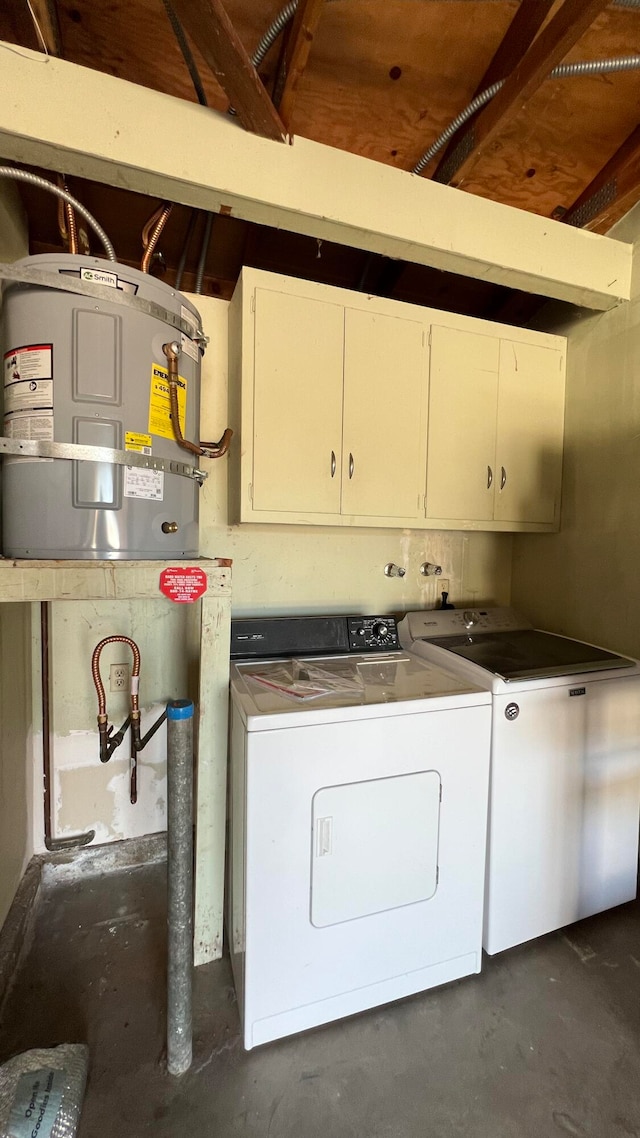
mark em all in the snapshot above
pixel 36 23
pixel 564 71
pixel 43 184
pixel 187 54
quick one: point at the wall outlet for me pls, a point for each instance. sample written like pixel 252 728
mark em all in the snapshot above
pixel 119 677
pixel 442 587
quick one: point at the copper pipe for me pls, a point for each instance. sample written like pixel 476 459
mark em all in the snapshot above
pixel 151 233
pixel 135 675
pixel 51 843
pixel 207 450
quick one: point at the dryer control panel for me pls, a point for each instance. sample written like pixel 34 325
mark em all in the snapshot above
pixel 372 633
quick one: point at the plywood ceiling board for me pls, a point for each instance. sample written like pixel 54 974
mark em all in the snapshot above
pixel 569 129
pixel 380 81
pixel 132 41
pixel 548 50
pixel 614 190
pixel 527 22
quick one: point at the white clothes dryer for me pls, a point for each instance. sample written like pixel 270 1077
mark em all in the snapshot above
pixel 359 784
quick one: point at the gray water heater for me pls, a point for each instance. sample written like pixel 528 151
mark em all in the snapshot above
pixel 93 372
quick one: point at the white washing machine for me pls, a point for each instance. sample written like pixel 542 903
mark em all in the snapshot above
pixel 564 803
pixel 359 784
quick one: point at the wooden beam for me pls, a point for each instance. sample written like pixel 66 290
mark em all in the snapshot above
pixel 46 14
pixel 60 115
pixel 210 28
pixel 295 57
pixel 522 31
pixel 612 192
pixel 558 37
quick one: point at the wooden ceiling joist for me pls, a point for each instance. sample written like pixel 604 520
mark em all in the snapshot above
pixel 295 57
pixel 612 192
pixel 522 31
pixel 562 32
pixel 209 26
pixel 45 13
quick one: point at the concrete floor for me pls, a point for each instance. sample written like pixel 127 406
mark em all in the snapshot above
pixel 543 1044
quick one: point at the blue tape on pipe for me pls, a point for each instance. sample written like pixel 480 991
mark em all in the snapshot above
pixel 180 709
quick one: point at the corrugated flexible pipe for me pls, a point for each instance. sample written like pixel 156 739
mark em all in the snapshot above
pixel 43 184
pixel 563 71
pixel 208 450
pixel 67 223
pixel 203 254
pixel 151 234
pixel 193 217
pixel 135 674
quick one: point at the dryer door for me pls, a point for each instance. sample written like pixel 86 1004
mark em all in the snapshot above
pixel 375 846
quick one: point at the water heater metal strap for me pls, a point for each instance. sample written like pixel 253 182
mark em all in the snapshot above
pixel 64 283
pixel 76 452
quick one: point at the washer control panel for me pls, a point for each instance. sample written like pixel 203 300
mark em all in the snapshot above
pixel 427 625
pixel 372 633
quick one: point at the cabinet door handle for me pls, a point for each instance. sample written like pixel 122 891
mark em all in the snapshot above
pixel 333 463
pixel 503 478
pixel 489 478
pixel 351 465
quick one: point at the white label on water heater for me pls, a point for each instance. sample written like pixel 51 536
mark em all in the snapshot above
pixel 189 348
pixel 28 395
pixel 30 362
pixel 99 276
pixel 141 483
pixel 35 425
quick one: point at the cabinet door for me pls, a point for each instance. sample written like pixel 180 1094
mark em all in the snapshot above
pixel 463 394
pixel 384 437
pixel 297 404
pixel 530 433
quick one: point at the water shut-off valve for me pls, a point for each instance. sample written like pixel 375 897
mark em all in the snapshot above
pixel 109 742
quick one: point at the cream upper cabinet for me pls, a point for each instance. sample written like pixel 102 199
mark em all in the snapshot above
pixel 463 405
pixel 496 414
pixel 530 432
pixel 297 404
pixel 333 405
pixel 385 383
pixel 358 410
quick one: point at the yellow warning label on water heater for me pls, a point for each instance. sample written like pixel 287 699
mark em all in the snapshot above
pixel 159 403
pixel 134 440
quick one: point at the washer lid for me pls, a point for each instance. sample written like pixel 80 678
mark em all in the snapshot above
pixel 530 654
pixel 312 684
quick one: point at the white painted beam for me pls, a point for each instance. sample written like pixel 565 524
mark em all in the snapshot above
pixel 61 116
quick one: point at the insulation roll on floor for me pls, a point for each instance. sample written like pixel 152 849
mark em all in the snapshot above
pixel 41 1092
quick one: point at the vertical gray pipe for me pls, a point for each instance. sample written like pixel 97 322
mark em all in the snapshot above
pixel 180 884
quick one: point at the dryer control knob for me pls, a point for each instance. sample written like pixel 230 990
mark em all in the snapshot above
pixel 380 631
pixel 470 618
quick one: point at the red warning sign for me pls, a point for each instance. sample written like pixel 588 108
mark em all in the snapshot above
pixel 183 584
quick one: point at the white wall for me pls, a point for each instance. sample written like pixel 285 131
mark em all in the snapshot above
pixel 585 580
